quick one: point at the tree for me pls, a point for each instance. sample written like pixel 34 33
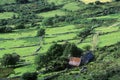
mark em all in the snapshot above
pixel 22 1
pixel 5 29
pixel 20 26
pixel 41 32
pixel 41 61
pixel 85 32
pixel 48 21
pixel 29 76
pixel 55 51
pixel 98 2
pixel 72 50
pixel 10 59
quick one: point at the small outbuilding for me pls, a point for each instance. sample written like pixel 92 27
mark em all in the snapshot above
pixel 74 61
pixel 87 57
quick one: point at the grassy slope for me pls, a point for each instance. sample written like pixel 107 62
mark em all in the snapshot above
pixel 104 39
pixel 7 15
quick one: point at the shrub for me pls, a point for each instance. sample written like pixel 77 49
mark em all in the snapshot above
pixel 20 26
pixel 10 59
pixel 22 1
pixel 29 76
pixel 72 50
pixel 55 51
pixel 4 29
pixel 41 32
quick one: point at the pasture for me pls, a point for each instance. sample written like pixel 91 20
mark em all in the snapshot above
pixel 25 42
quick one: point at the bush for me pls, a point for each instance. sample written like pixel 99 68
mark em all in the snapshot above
pixel 41 61
pixel 29 76
pixel 55 51
pixel 10 59
pixel 22 1
pixel 41 32
pixel 5 29
pixel 72 50
pixel 20 26
pixel 47 21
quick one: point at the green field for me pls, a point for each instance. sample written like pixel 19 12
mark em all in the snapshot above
pixel 25 42
pixel 7 15
pixel 2 2
pixel 52 13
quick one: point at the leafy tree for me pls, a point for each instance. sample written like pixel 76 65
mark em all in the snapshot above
pixel 41 32
pixel 41 61
pixel 72 50
pixel 20 26
pixel 85 32
pixel 55 51
pixel 98 2
pixel 29 76
pixel 10 59
pixel 47 21
pixel 22 1
pixel 5 29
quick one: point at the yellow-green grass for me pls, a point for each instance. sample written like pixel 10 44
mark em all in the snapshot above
pixel 52 13
pixel 45 48
pixel 19 34
pixel 2 2
pixel 109 39
pixel 64 29
pixel 6 15
pixel 58 2
pixel 29 59
pixel 71 6
pixel 104 40
pixel 19 71
pixel 111 16
pixel 19 43
pixel 89 1
pixel 21 51
pixel 61 37
pixel 106 29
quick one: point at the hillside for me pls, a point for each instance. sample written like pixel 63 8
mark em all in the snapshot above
pixel 41 36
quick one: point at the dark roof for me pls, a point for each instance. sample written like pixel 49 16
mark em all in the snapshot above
pixel 87 57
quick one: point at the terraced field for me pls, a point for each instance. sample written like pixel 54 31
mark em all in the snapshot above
pixel 25 42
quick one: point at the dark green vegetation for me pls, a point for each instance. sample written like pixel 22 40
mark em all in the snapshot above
pixel 45 33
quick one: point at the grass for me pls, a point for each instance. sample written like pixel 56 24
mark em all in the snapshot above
pixel 19 34
pixel 64 29
pixel 19 43
pixel 59 2
pixel 104 40
pixel 52 13
pixel 111 16
pixel 107 29
pixel 6 15
pixel 2 2
pixel 19 71
pixel 109 39
pixel 21 51
pixel 62 37
pixel 71 6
